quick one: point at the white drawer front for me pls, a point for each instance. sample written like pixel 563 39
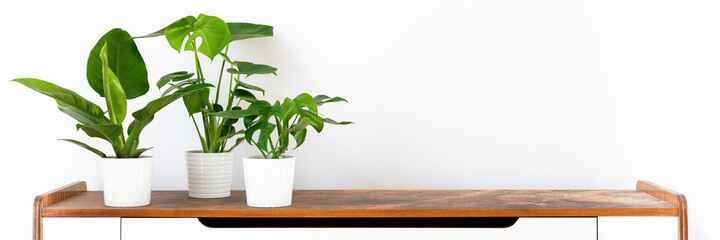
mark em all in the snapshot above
pixel 525 228
pixel 81 228
pixel 637 228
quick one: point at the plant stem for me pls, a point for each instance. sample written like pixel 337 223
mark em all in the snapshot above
pixel 198 68
pixel 217 90
pixel 203 143
pixel 258 147
pixel 281 141
pixel 272 147
pixel 208 121
pixel 230 92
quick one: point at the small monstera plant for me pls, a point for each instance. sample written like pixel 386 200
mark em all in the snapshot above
pixel 211 36
pixel 117 72
pixel 291 117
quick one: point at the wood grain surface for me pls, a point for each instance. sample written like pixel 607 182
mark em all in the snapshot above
pixel 52 197
pixel 384 203
pixel 676 199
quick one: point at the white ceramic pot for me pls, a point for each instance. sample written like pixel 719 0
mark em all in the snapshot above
pixel 209 174
pixel 269 182
pixel 127 182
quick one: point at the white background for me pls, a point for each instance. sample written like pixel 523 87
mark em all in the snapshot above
pixel 515 94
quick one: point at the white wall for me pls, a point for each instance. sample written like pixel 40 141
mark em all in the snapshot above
pixel 446 94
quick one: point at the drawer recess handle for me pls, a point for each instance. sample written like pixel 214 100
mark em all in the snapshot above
pixel 455 222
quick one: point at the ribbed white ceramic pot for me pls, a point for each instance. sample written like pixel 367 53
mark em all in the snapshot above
pixel 269 182
pixel 127 182
pixel 209 174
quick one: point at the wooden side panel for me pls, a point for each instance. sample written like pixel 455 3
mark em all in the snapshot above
pixel 676 199
pixel 51 197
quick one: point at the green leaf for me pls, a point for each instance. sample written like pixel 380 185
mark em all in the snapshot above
pixel 157 33
pixel 114 93
pixel 195 87
pixel 319 99
pixel 176 76
pixel 240 31
pixel 315 121
pixel 299 137
pixel 302 124
pixel 231 121
pixel 134 131
pixel 80 116
pixel 88 147
pixel 305 100
pixel 250 131
pixel 248 121
pixel 130 147
pixel 276 110
pixel 227 130
pixel 69 102
pixel 234 114
pixel 217 107
pixel 289 110
pixel 237 142
pixel 179 85
pixel 156 105
pixel 135 123
pixel 249 68
pixel 194 102
pixel 139 151
pixel 230 135
pixel 109 132
pixel 212 31
pixel 330 121
pixel 323 99
pixel 251 87
pixel 233 71
pixel 124 60
pixel 265 131
pixel 336 99
pixel 177 31
pixel 225 57
pixel 261 106
pixel 244 95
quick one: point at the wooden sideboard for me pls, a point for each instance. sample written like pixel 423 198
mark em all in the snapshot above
pixel 609 213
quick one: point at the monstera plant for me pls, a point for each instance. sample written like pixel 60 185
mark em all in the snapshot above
pixel 117 72
pixel 211 37
pixel 213 119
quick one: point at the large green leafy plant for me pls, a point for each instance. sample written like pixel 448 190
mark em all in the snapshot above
pixel 117 72
pixel 291 117
pixel 211 36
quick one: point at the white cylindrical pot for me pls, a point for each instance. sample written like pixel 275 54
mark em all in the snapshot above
pixel 127 182
pixel 209 174
pixel 269 182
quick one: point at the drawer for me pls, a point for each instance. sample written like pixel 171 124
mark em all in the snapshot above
pixel 64 228
pixel 524 228
pixel 637 228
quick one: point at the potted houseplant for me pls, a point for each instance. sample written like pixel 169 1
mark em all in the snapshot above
pixel 117 72
pixel 269 177
pixel 210 169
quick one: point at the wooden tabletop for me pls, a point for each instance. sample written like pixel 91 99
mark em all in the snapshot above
pixel 648 199
pixel 383 203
